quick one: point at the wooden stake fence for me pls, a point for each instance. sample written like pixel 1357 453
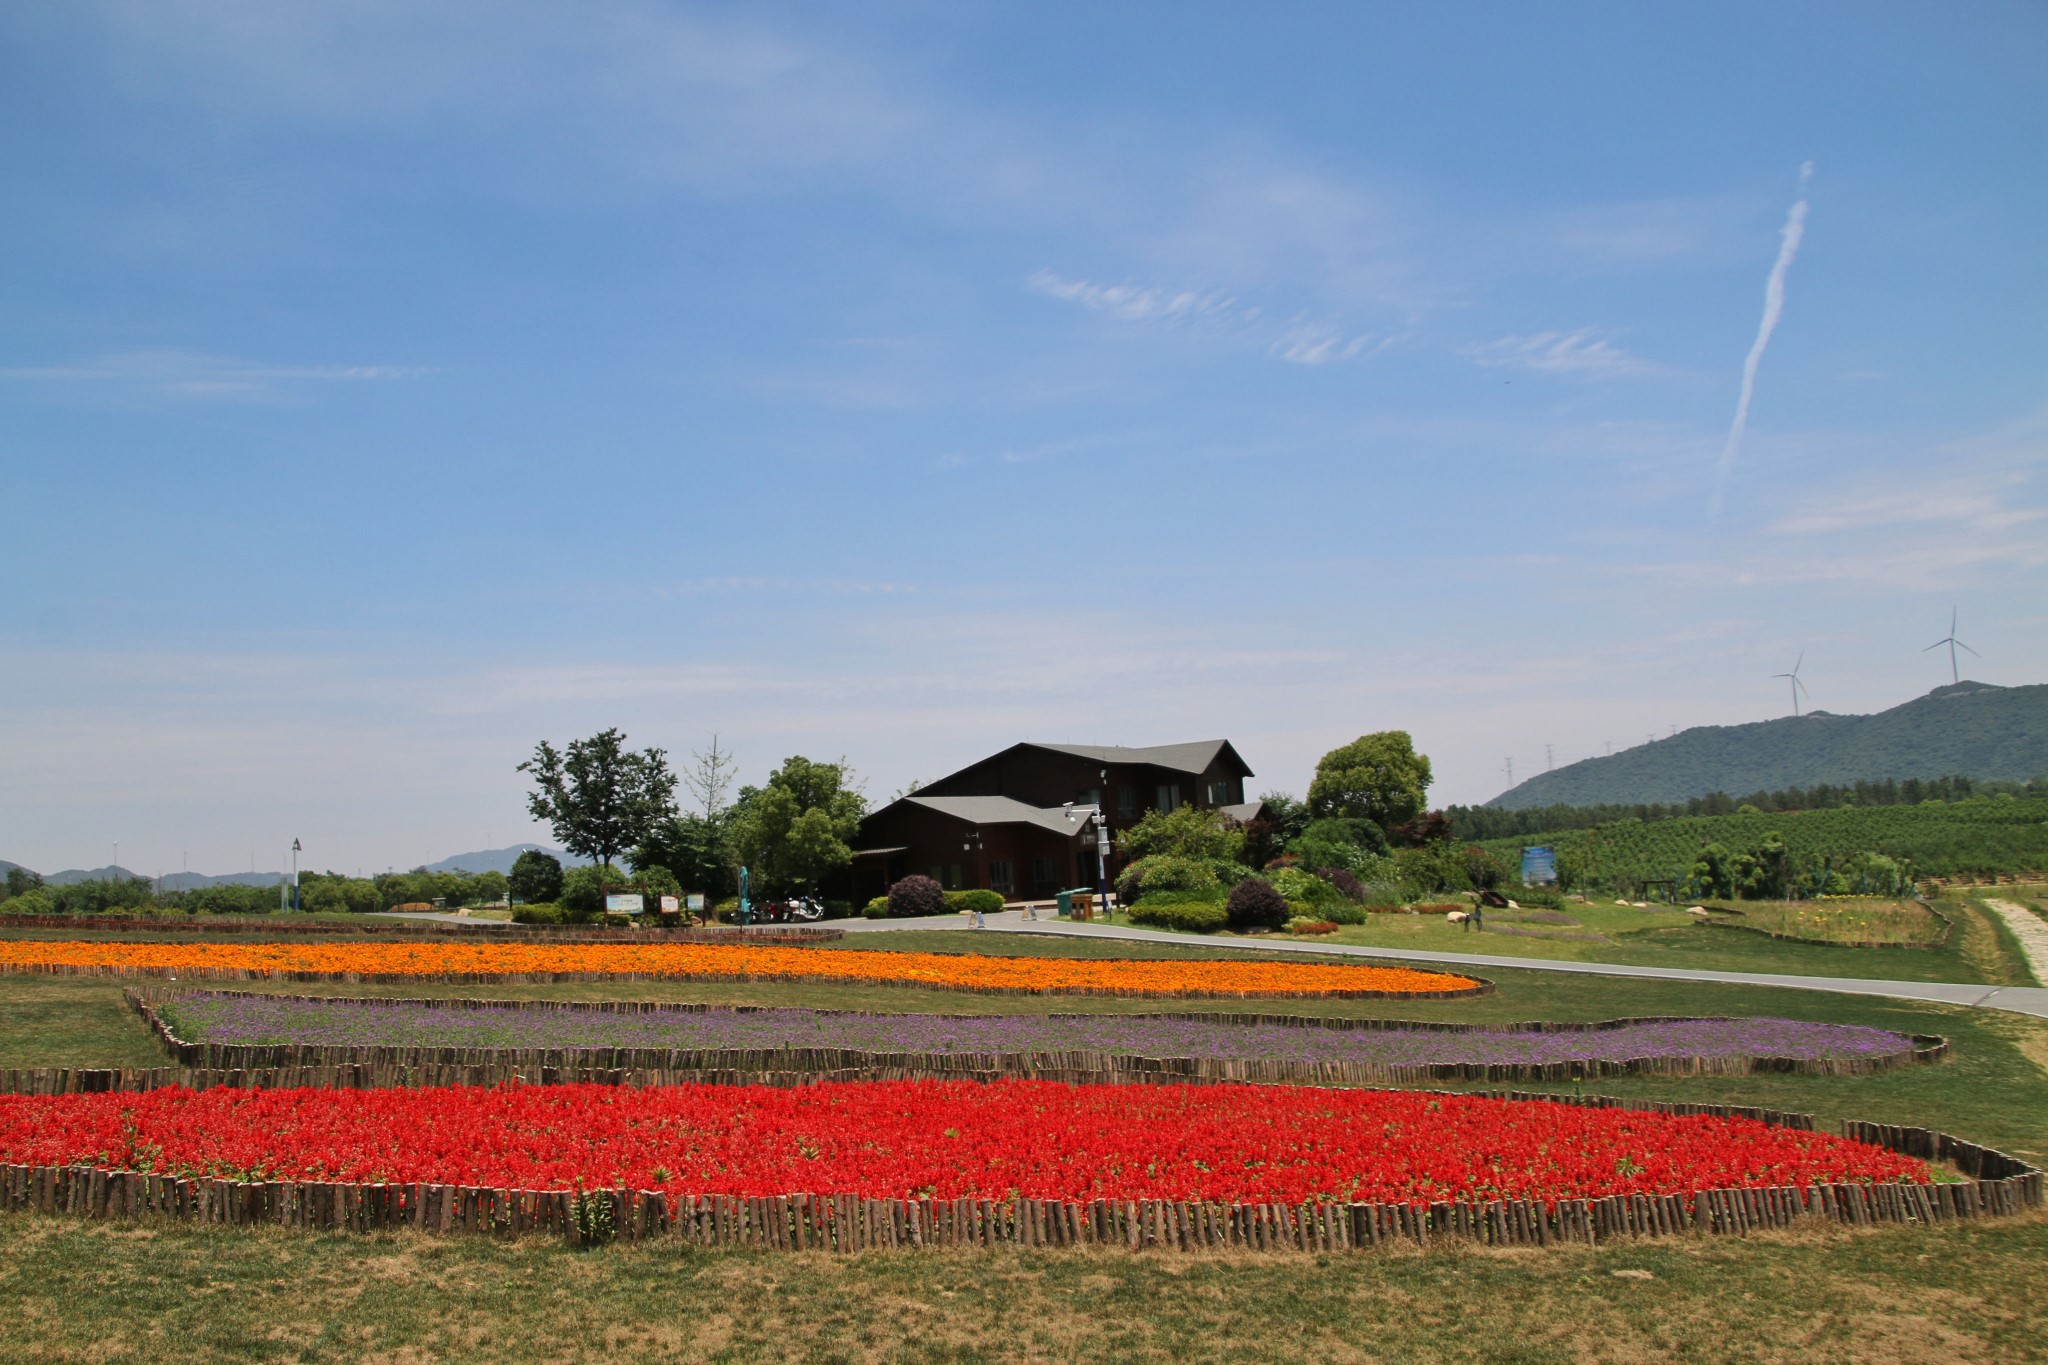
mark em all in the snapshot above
pixel 377 1066
pixel 2001 1185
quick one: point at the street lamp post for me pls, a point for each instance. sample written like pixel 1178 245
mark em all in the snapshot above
pixel 295 874
pixel 1101 819
pixel 972 844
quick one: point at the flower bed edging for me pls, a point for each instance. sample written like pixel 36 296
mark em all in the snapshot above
pixel 670 1065
pixel 1999 1185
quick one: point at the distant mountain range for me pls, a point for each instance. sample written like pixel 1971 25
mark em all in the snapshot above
pixel 484 860
pixel 1967 729
pixel 501 859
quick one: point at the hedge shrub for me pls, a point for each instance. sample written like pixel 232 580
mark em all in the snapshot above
pixel 1255 904
pixel 878 908
pixel 982 899
pixel 1201 917
pixel 915 896
pixel 1295 885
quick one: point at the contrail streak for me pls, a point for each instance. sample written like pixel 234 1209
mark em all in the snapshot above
pixel 1774 305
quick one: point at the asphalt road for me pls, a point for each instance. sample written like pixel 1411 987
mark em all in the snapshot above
pixel 2019 999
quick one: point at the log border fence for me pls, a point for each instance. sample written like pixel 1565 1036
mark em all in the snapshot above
pixel 379 1067
pixel 1997 1185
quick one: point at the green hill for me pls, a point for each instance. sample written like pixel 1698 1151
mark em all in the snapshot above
pixel 1972 729
pixel 1980 836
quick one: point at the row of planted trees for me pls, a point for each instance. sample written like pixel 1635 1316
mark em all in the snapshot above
pixel 612 805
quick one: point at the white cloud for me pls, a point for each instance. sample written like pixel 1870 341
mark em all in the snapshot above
pixel 1585 351
pixel 1300 340
pixel 193 375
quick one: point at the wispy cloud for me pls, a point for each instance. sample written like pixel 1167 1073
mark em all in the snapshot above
pixel 1585 351
pixel 1789 238
pixel 1298 340
pixel 194 375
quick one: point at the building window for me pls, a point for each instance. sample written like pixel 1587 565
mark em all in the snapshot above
pixel 1090 797
pixel 1045 875
pixel 1002 876
pixel 1126 803
pixel 1168 799
pixel 953 881
pixel 1219 793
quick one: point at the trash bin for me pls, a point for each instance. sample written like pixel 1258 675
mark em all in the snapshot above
pixel 1065 900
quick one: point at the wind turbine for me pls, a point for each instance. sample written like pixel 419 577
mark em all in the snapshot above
pixel 1797 686
pixel 1953 645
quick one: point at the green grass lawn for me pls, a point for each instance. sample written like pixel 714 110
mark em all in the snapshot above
pixel 1981 950
pixel 194 1294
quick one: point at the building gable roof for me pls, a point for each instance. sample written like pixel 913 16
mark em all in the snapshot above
pixel 1184 758
pixel 999 810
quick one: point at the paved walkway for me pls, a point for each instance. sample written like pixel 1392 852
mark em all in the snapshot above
pixel 2030 929
pixel 2019 999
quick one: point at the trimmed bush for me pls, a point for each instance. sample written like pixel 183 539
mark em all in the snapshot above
pixel 878 908
pixel 1171 872
pixel 915 896
pixel 1255 904
pixel 1201 917
pixel 547 912
pixel 1302 924
pixel 1296 885
pixel 1343 912
pixel 1348 886
pixel 986 901
pixel 1536 897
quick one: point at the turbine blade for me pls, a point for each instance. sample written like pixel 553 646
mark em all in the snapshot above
pixel 1795 667
pixel 1936 645
pixel 1961 645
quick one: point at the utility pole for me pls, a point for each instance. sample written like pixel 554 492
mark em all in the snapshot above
pixel 1510 765
pixel 1546 758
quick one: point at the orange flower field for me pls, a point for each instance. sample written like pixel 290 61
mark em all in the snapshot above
pixel 723 962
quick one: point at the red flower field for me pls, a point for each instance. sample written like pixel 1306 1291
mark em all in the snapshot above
pixel 944 1139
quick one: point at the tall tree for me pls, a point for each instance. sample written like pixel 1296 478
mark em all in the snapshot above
pixel 1377 777
pixel 801 825
pixel 709 777
pixel 599 797
pixel 536 877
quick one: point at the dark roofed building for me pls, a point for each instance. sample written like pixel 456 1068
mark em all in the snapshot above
pixel 1003 823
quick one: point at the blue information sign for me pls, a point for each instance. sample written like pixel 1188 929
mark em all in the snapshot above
pixel 1539 865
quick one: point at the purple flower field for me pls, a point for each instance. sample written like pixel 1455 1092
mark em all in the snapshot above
pixel 259 1020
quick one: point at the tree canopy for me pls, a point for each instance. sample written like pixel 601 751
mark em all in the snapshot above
pixel 800 826
pixel 600 798
pixel 1377 777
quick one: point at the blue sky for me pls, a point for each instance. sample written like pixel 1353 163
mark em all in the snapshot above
pixel 385 387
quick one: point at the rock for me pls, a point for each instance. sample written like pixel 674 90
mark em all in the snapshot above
pixel 1456 917
pixel 1633 1274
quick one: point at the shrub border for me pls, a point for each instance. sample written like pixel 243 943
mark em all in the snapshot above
pixel 393 1066
pixel 1998 1185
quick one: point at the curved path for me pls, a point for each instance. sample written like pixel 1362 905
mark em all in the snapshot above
pixel 2029 929
pixel 2019 999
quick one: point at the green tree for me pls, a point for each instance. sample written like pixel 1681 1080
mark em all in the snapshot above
pixel 536 877
pixel 1190 832
pixel 583 891
pixel 1377 777
pixel 490 887
pixel 599 797
pixel 20 881
pixel 800 826
pixel 1288 814
pixel 693 847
